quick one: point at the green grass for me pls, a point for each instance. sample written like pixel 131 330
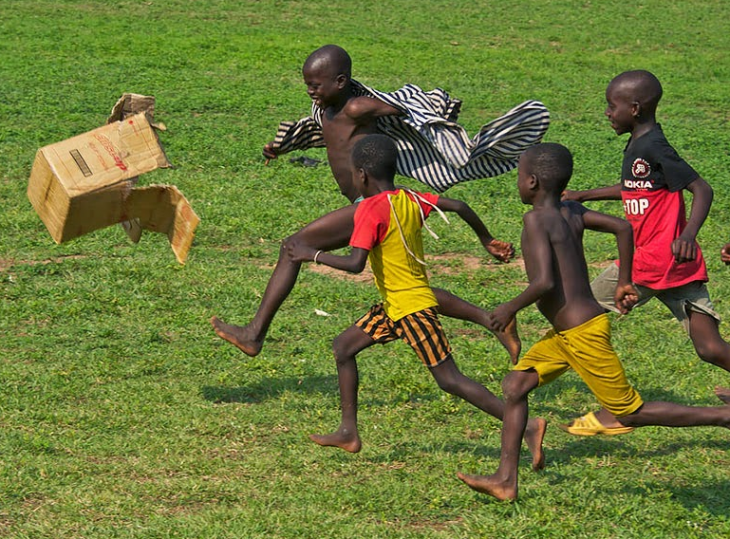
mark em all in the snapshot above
pixel 121 413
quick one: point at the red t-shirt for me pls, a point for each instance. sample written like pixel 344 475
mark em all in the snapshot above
pixel 653 179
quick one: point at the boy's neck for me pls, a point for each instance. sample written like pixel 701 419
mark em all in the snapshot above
pixel 342 99
pixel 378 187
pixel 545 200
pixel 643 127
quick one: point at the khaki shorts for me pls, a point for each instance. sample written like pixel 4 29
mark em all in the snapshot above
pixel 680 300
pixel 588 351
pixel 422 331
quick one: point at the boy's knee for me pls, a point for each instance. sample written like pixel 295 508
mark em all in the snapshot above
pixel 712 350
pixel 448 384
pixel 341 349
pixel 516 385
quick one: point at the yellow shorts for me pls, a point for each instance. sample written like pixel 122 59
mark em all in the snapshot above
pixel 588 351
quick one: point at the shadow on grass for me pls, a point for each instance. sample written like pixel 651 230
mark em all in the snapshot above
pixel 270 388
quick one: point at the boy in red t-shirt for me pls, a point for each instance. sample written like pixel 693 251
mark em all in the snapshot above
pixel 668 262
pixel 387 232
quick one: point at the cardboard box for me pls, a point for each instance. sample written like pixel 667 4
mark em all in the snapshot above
pixel 85 183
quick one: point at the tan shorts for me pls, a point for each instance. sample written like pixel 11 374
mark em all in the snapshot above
pixel 588 351
pixel 689 297
pixel 422 331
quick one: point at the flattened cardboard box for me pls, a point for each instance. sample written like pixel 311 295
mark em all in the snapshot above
pixel 85 183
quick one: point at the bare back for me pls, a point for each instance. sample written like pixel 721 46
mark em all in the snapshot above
pixel 342 128
pixel 552 241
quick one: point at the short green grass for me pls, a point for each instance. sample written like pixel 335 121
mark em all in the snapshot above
pixel 121 413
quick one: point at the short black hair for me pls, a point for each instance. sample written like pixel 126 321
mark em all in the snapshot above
pixel 332 58
pixel 377 155
pixel 640 85
pixel 551 163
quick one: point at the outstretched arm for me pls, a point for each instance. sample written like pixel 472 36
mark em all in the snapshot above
pixel 538 256
pixel 500 250
pixel 354 262
pixel 684 248
pixel 612 192
pixel 364 110
pixel 625 296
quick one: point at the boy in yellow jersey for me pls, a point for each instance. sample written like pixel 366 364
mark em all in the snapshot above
pixel 387 232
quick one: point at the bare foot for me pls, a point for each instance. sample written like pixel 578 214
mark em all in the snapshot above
pixel 723 393
pixel 534 434
pixel 488 484
pixel 237 336
pixel 343 440
pixel 510 339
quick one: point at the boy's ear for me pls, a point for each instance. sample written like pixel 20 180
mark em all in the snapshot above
pixel 533 183
pixel 341 80
pixel 636 109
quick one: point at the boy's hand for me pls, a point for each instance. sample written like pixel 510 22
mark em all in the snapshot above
pixel 501 250
pixel 725 254
pixel 625 297
pixel 570 195
pixel 269 153
pixel 499 318
pixel 299 252
pixel 684 249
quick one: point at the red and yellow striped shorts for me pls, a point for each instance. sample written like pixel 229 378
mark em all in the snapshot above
pixel 421 330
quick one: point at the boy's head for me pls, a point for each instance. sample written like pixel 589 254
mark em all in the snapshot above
pixel 327 73
pixel 632 98
pixel 544 167
pixel 374 160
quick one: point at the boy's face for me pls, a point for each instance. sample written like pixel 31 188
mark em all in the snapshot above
pixel 524 180
pixel 620 109
pixel 323 86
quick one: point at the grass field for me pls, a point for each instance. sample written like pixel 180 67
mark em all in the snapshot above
pixel 122 414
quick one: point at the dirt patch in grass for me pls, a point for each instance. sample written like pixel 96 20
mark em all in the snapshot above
pixel 448 264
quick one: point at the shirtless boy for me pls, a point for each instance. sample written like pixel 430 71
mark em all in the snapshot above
pixel 580 338
pixel 346 118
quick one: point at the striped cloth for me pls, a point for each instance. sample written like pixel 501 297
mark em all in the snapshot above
pixel 432 147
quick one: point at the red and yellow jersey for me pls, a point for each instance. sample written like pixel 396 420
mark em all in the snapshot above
pixel 389 226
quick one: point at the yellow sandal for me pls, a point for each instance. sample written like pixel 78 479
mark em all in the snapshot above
pixel 588 425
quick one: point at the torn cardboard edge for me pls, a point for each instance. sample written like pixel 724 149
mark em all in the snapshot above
pixel 88 182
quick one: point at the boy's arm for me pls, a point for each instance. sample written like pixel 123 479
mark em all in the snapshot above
pixel 354 262
pixel 684 248
pixel 364 110
pixel 612 192
pixel 301 135
pixel 625 296
pixel 538 256
pixel 500 250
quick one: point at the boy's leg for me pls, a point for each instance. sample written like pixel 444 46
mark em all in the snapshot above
pixel 516 387
pixel 454 307
pixel 669 414
pixel 331 231
pixel 346 346
pixel 450 379
pixel 705 335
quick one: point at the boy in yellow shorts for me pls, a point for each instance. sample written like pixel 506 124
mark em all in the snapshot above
pixel 387 232
pixel 581 336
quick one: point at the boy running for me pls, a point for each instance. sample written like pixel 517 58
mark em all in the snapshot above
pixel 387 232
pixel 580 339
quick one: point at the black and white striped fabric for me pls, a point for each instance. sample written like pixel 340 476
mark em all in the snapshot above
pixel 432 147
